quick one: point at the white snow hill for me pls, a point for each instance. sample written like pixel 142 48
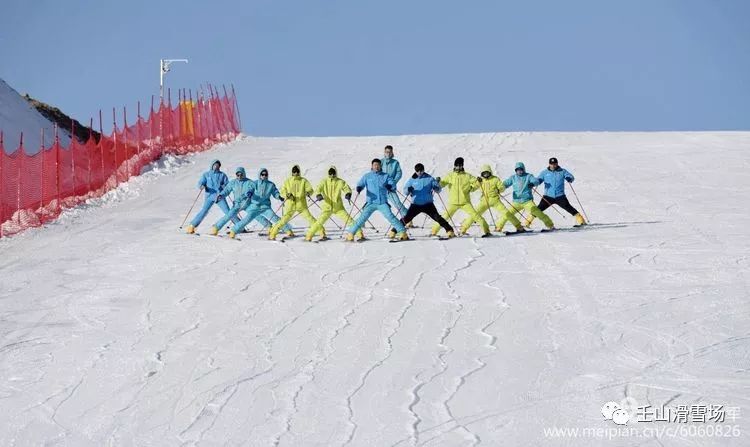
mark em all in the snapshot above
pixel 18 116
pixel 118 329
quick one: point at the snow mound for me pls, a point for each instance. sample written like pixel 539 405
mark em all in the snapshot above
pixel 18 116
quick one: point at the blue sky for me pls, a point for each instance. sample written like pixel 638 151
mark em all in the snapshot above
pixel 340 67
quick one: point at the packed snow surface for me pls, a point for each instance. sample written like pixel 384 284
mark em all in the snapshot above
pixel 119 329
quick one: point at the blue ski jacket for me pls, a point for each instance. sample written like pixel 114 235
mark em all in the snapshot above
pixel 239 189
pixel 213 181
pixel 375 182
pixel 263 190
pixel 522 185
pixel 554 181
pixel 423 187
pixel 392 167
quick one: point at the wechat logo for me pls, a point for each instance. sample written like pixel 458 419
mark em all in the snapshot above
pixel 619 413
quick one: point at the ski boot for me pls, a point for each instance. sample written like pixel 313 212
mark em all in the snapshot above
pixel 213 231
pixel 190 229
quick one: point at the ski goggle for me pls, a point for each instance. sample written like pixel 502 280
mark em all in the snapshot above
pixel 239 174
pixel 264 174
pixel 458 168
pixel 295 170
pixel 332 173
pixel 520 171
pixel 486 174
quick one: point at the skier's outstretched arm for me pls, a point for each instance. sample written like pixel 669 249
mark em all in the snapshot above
pixel 409 184
pixel 275 192
pixel 202 182
pixel 568 176
pixel 361 184
pixel 436 185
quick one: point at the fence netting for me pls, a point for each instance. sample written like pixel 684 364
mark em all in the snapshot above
pixel 34 189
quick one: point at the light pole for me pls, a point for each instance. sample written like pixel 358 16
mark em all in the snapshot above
pixel 163 69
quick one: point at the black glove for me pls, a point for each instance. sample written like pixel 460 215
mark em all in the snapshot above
pixel 249 194
pixel 437 179
pixel 319 197
pixel 479 179
pixel 281 199
pixel 414 175
pixel 290 196
pixel 359 189
pixel 410 189
pixel 348 196
pixel 389 187
pixel 218 198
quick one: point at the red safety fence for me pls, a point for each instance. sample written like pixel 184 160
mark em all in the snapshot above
pixel 34 189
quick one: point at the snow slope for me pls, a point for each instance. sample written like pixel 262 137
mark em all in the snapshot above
pixel 117 329
pixel 18 116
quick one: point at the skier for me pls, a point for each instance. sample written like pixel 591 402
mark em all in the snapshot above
pixel 461 184
pixel 392 168
pixel 554 178
pixel 523 183
pixel 378 185
pixel 296 189
pixel 420 187
pixel 239 187
pixel 329 192
pixel 212 181
pixel 491 187
pixel 259 204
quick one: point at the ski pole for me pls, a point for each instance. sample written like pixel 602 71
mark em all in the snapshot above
pixel 548 203
pixel 512 208
pixel 424 221
pixel 350 213
pixel 315 202
pixel 359 210
pixel 191 207
pixel 489 207
pixel 579 202
pixel 406 199
pixel 399 211
pixel 425 214
pixel 446 212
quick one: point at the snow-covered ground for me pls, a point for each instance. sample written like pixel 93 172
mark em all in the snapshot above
pixel 18 116
pixel 117 329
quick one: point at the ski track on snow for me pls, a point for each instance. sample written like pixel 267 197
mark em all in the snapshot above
pixel 118 330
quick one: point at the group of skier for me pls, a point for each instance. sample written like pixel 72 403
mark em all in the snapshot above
pixel 253 197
